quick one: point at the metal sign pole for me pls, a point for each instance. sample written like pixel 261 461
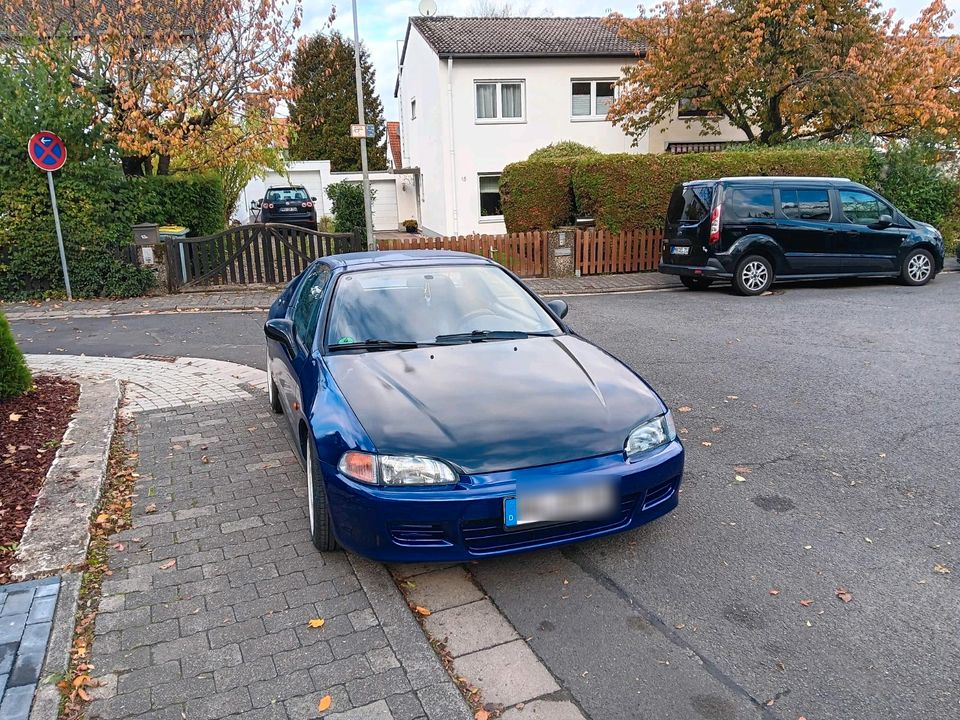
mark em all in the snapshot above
pixel 371 240
pixel 56 221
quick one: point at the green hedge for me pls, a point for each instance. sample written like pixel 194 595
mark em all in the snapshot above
pixel 15 377
pixel 347 205
pixel 98 208
pixel 628 191
pixel 537 195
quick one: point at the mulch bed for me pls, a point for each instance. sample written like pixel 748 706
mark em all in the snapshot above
pixel 31 429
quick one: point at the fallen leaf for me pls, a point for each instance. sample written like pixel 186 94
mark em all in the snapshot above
pixel 151 508
pixel 168 564
pixel 806 603
pixel 743 470
pixel 83 694
pixel 706 443
pixel 324 703
pixel 843 594
pixel 684 409
pixel 316 622
pixel 733 397
pixel 715 428
pixel 868 540
pixel 422 611
pixel 774 592
pixel 481 715
pixel 739 478
pixel 14 417
pixel 80 680
pixel 204 459
pixel 941 569
pixel 102 518
pixel 118 547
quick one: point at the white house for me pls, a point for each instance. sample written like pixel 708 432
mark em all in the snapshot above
pixel 476 94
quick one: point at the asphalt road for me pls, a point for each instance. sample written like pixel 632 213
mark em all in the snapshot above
pixel 836 405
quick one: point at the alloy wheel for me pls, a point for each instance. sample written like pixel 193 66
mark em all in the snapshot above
pixel 918 267
pixel 754 275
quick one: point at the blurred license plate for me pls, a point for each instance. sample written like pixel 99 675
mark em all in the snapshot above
pixel 680 249
pixel 294 210
pixel 582 503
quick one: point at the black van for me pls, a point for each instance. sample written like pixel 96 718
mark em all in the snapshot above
pixel 750 230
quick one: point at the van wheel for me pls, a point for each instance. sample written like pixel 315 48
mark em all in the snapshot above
pixel 917 268
pixel 321 524
pixel 754 275
pixel 695 283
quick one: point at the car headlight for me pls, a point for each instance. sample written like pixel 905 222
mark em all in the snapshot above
pixel 395 470
pixel 650 435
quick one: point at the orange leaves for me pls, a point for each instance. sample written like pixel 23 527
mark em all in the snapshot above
pixel 316 623
pixel 324 703
pixel 422 611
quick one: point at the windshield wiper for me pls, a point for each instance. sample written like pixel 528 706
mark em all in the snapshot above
pixel 484 335
pixel 376 345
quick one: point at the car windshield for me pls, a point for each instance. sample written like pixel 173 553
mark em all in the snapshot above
pixel 432 304
pixel 281 194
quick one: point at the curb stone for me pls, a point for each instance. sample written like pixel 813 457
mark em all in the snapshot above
pixel 58 532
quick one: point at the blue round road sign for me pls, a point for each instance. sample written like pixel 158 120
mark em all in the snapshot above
pixel 47 151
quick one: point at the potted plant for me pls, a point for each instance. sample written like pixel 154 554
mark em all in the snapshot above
pixel 411 225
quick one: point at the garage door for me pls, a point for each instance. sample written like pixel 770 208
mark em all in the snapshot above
pixel 385 205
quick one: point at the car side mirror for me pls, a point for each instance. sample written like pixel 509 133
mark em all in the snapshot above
pixel 884 221
pixel 281 330
pixel 559 307
pixel 314 199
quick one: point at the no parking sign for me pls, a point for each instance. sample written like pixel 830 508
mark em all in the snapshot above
pixel 48 152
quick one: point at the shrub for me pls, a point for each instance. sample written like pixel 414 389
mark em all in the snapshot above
pixel 628 191
pixel 537 195
pixel 194 200
pixel 15 377
pixel 347 205
pixel 563 150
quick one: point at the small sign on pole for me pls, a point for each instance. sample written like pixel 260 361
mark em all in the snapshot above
pixel 359 131
pixel 48 153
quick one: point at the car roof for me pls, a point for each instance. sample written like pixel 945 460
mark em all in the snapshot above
pixel 402 258
pixel 753 179
pixel 287 187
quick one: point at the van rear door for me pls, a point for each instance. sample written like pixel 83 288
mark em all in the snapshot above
pixel 688 224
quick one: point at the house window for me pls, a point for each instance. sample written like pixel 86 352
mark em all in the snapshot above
pixel 413 109
pixel 490 206
pixel 591 99
pixel 695 102
pixel 499 101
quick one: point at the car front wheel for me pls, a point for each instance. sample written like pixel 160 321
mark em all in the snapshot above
pixel 272 394
pixel 917 268
pixel 754 275
pixel 321 525
pixel 695 283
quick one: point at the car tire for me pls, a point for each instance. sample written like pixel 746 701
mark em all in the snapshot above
pixel 273 394
pixel 754 275
pixel 318 509
pixel 695 283
pixel 917 268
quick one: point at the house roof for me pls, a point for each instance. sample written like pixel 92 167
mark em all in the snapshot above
pixel 393 142
pixel 522 37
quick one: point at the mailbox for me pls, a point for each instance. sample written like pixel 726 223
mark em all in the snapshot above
pixel 146 234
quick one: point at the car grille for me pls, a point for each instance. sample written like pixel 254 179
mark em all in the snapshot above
pixel 420 535
pixel 490 536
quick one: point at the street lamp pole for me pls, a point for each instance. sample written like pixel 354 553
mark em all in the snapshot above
pixel 371 240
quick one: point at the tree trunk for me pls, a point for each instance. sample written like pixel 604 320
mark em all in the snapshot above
pixel 163 165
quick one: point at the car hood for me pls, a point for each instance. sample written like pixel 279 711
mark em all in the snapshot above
pixel 495 406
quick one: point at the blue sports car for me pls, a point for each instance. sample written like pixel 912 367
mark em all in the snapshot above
pixel 444 412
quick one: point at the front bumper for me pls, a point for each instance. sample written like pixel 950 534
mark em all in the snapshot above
pixel 466 521
pixel 713 270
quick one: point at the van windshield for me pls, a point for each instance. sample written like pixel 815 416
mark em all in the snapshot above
pixel 690 203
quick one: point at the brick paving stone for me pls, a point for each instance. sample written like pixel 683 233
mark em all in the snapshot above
pixel 26 613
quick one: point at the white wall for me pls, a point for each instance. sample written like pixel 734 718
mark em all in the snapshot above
pixel 316 177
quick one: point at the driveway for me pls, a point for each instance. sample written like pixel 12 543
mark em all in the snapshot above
pixel 820 436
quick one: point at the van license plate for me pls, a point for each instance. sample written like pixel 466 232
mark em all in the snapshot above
pixel 680 249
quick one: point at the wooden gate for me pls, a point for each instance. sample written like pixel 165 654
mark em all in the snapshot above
pixel 601 251
pixel 260 254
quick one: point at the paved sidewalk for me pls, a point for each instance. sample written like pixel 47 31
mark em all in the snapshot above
pixel 261 299
pixel 206 612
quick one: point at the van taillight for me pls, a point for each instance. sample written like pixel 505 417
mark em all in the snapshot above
pixel 715 225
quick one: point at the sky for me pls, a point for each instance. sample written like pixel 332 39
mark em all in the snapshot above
pixel 383 24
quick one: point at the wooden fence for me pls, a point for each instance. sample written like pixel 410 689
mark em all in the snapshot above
pixel 601 252
pixel 269 254
pixel 523 253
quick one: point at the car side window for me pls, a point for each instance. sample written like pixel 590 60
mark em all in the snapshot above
pixel 748 203
pixel 308 304
pixel 863 208
pixel 811 204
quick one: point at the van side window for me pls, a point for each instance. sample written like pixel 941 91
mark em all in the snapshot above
pixel 748 203
pixel 805 203
pixel 689 204
pixel 863 208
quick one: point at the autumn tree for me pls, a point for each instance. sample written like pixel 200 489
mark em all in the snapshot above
pixel 782 70
pixel 166 74
pixel 324 80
